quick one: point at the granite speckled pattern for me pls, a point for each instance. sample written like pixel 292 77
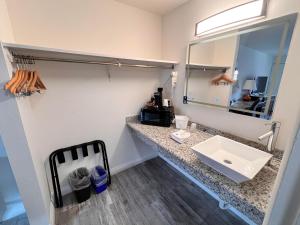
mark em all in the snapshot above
pixel 251 197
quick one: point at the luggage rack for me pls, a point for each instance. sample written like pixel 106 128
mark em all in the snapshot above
pixel 59 155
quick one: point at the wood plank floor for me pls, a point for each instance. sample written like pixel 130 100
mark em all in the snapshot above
pixel 18 220
pixel 151 193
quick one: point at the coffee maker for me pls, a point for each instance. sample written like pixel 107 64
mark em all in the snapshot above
pixel 155 113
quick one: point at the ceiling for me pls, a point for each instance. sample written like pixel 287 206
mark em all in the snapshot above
pixel 160 7
pixel 267 40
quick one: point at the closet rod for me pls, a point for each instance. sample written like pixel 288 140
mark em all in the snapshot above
pixel 118 64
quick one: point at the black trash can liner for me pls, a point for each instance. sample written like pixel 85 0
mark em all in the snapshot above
pixel 80 183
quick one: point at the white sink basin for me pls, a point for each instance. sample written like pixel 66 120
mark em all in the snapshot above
pixel 237 161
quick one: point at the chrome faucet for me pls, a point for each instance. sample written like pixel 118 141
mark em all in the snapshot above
pixel 270 135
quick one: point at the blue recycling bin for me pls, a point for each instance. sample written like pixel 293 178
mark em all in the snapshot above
pixel 99 179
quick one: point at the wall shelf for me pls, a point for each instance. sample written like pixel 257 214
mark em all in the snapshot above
pixel 206 67
pixel 63 55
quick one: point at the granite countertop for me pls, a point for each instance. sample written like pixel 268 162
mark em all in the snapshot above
pixel 251 197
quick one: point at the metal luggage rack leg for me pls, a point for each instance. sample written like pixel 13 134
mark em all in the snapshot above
pixel 73 149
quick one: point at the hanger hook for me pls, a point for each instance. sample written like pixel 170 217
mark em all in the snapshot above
pixel 26 63
pixel 119 64
pixel 17 61
pixel 32 60
pixel 23 62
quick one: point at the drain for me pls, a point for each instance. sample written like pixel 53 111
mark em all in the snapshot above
pixel 227 161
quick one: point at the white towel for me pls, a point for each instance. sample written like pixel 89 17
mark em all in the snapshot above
pixel 180 136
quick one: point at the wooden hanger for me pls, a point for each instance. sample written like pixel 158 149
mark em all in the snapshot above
pixel 32 84
pixel 18 81
pixel 12 81
pixel 40 83
pixel 222 77
pixel 24 87
pixel 25 81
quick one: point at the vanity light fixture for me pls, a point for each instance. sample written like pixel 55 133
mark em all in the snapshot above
pixel 247 12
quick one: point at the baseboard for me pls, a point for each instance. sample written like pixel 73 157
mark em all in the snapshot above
pixel 127 165
pixel 211 193
pixel 51 214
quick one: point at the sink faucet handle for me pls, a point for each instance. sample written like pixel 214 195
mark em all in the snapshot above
pixel 271 134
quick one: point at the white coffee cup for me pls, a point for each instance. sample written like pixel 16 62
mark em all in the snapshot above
pixel 193 127
pixel 166 102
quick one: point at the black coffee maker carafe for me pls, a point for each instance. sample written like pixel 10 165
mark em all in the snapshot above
pixel 158 98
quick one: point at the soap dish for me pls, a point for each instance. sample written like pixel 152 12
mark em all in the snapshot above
pixel 180 136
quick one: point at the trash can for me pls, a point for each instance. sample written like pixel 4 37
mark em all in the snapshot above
pixel 99 179
pixel 181 122
pixel 80 183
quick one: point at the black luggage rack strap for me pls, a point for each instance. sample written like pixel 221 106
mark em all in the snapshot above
pixel 59 154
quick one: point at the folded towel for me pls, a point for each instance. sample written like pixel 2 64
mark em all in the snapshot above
pixel 180 136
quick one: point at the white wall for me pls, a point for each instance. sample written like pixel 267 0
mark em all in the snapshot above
pixel 9 196
pixel 2 200
pixel 200 88
pixel 81 103
pixel 16 145
pixel 2 149
pixel 287 205
pixel 178 31
pixel 202 53
pixel 251 64
pixel 104 26
pixel 110 27
pixel 6 33
pixel 219 53
pixel 14 141
pixel 254 63
pixel 8 186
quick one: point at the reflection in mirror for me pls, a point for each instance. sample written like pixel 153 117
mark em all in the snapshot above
pixel 208 61
pixel 240 72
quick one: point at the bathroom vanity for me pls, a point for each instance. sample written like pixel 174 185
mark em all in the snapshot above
pixel 250 198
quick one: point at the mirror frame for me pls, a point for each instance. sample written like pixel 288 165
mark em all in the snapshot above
pixel 286 20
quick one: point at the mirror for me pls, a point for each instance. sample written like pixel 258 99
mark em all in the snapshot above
pixel 240 71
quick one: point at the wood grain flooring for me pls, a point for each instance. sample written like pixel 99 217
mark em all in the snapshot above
pixel 151 193
pixel 18 220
